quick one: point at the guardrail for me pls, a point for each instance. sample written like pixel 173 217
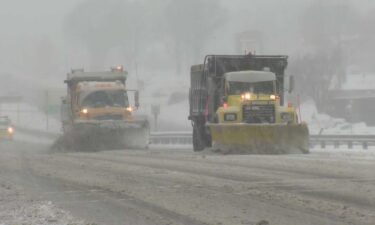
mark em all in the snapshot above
pixel 339 140
pixel 323 141
pixel 185 138
pixel 182 138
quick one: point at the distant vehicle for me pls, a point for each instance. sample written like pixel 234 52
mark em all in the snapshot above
pixel 6 128
pixel 96 113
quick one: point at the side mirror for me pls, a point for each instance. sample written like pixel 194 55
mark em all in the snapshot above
pixel 136 99
pixel 291 84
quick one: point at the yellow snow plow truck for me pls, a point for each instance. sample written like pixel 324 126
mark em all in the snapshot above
pixel 237 106
pixel 97 114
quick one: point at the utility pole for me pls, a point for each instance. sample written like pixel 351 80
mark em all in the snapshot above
pixel 155 109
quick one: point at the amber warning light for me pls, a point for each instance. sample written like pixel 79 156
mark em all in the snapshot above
pixel 117 69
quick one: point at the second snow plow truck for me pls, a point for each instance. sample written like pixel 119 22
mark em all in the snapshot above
pixel 97 114
pixel 237 106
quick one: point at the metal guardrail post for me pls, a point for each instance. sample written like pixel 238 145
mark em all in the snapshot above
pixel 365 145
pixel 336 144
pixel 323 144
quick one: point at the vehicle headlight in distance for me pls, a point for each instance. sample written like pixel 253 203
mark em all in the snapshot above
pixel 230 116
pixel 85 111
pixel 10 130
pixel 287 117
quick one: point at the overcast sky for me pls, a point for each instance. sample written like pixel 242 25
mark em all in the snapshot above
pixel 33 17
pixel 24 22
pixel 44 17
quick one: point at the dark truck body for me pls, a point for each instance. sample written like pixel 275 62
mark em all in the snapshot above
pixel 207 85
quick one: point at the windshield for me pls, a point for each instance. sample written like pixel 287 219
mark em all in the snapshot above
pixel 105 98
pixel 237 88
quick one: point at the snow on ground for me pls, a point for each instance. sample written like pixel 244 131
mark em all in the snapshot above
pixel 29 138
pixel 28 116
pixel 17 209
pixel 325 124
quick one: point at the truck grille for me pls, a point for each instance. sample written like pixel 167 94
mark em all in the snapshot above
pixel 256 113
pixel 108 117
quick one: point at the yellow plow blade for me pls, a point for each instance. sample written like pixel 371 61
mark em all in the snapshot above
pixel 260 138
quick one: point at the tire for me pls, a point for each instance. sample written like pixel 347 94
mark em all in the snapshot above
pixel 198 142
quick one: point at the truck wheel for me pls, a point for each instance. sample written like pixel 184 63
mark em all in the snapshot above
pixel 198 142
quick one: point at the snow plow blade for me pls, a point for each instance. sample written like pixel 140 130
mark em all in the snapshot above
pixel 260 138
pixel 105 135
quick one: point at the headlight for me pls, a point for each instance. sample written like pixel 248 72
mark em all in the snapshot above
pixel 273 97
pixel 246 96
pixel 287 117
pixel 129 109
pixel 230 116
pixel 85 111
pixel 10 130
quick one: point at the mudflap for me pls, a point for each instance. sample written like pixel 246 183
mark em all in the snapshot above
pixel 260 138
pixel 104 135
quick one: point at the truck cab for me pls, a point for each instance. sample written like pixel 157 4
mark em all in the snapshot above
pixel 97 112
pixel 102 101
pixel 98 97
pixel 251 97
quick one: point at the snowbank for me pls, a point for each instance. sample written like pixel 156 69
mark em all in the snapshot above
pixel 325 124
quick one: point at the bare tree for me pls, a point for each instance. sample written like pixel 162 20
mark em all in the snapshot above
pixel 326 28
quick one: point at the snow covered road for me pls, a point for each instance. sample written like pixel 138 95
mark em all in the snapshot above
pixel 167 186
